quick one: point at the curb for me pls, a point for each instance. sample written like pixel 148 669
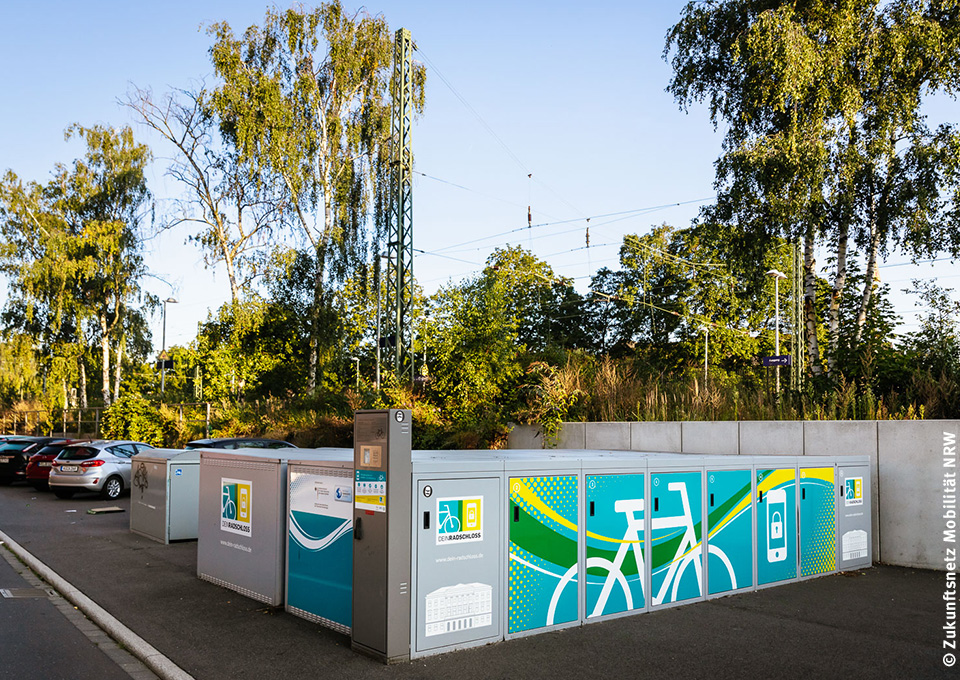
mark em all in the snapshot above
pixel 140 648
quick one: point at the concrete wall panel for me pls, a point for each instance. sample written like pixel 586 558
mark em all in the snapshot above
pixel 612 436
pixel 658 437
pixel 524 437
pixel 573 436
pixel 712 438
pixel 911 458
pixel 771 438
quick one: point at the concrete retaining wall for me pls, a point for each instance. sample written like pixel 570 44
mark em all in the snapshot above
pixel 906 461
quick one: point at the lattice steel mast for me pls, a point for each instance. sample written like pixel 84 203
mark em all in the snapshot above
pixel 400 226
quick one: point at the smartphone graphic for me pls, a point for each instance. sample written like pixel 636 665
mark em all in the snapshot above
pixel 777 525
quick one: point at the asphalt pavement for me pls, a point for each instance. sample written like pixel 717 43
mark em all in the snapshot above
pixel 883 622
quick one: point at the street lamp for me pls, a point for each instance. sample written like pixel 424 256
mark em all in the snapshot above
pixel 706 354
pixel 357 360
pixel 776 275
pixel 163 345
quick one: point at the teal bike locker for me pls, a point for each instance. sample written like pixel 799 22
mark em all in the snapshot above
pixel 543 531
pixel 676 533
pixel 730 530
pixel 776 503
pixel 818 519
pixel 615 543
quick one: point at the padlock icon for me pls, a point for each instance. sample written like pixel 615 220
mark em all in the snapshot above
pixel 776 526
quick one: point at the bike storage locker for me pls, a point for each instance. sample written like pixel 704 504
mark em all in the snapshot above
pixel 242 518
pixel 676 530
pixel 319 579
pixel 616 552
pixel 776 503
pixel 854 545
pixel 458 594
pixel 818 519
pixel 504 544
pixel 164 492
pixel 543 545
pixel 730 529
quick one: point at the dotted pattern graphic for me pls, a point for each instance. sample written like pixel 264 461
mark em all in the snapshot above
pixel 819 554
pixel 530 590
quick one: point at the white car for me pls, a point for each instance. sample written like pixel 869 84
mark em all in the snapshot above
pixel 100 466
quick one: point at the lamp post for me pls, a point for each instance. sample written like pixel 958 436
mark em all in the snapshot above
pixel 706 354
pixel 163 345
pixel 776 275
pixel 356 361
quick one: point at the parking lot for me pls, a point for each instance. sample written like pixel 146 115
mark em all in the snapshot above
pixel 883 622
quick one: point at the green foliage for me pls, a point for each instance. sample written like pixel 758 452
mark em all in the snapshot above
pixel 133 417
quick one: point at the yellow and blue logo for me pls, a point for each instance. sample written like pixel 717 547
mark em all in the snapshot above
pixel 853 492
pixel 236 506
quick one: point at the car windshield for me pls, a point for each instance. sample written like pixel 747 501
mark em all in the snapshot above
pixel 78 453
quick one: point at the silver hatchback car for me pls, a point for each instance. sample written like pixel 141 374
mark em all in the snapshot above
pixel 100 466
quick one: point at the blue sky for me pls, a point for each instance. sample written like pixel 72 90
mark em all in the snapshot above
pixel 573 92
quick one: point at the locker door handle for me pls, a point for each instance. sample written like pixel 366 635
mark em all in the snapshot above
pixel 358 529
pixel 803 494
pixel 591 508
pixel 760 496
pixel 711 500
pixel 426 520
pixel 656 503
pixel 516 513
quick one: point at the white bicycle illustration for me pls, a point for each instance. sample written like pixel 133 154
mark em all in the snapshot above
pixel 449 523
pixel 228 508
pixel 688 551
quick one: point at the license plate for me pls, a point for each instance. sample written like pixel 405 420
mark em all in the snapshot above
pixel 44 464
pixel 5 459
pixel 68 468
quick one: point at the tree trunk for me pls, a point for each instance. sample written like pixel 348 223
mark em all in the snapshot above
pixel 83 384
pixel 118 370
pixel 836 295
pixel 810 303
pixel 105 351
pixel 871 274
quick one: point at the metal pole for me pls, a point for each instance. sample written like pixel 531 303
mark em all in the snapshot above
pixel 378 327
pixel 706 354
pixel 163 351
pixel 776 316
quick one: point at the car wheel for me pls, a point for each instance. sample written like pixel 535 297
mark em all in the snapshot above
pixel 63 493
pixel 6 481
pixel 112 488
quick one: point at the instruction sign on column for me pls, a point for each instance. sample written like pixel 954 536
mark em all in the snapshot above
pixel 370 491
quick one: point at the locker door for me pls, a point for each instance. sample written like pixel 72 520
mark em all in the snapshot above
pixel 459 552
pixel 676 537
pixel 818 521
pixel 615 544
pixel 855 547
pixel 729 530
pixel 776 525
pixel 543 553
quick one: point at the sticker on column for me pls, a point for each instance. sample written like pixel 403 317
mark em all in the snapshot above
pixel 370 491
pixel 459 520
pixel 854 545
pixel 456 608
pixel 853 494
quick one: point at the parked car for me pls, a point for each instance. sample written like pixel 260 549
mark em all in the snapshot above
pixel 38 467
pixel 99 466
pixel 239 443
pixel 14 454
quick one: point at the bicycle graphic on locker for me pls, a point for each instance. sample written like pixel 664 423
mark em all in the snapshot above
pixel 449 523
pixel 688 552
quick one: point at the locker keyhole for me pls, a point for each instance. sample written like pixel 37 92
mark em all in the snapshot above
pixel 656 503
pixel 426 520
pixel 516 513
pixel 591 508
